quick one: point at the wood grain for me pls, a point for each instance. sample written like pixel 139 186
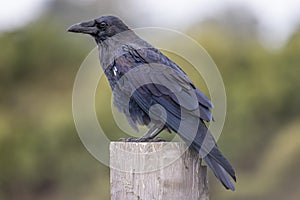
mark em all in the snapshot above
pixel 156 171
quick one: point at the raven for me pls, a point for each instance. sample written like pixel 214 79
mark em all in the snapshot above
pixel 152 90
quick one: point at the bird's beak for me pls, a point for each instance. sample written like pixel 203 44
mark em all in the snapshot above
pixel 84 27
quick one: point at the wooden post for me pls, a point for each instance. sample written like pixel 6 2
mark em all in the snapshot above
pixel 156 171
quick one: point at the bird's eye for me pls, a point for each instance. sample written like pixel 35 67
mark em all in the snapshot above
pixel 102 25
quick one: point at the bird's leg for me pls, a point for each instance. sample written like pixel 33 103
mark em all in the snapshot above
pixel 153 131
pixel 149 136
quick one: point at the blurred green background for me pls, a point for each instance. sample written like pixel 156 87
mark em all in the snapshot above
pixel 41 156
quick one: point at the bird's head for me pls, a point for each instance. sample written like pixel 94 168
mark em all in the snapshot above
pixel 100 28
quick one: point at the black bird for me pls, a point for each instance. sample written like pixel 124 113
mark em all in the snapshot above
pixel 152 90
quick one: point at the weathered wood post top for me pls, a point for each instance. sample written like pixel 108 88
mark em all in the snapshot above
pixel 156 171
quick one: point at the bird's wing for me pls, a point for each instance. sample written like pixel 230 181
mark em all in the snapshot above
pixel 155 79
pixel 158 77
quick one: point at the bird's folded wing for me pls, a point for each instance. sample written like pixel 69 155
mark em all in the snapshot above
pixel 161 81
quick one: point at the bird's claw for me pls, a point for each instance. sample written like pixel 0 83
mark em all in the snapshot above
pixel 128 139
pixel 158 140
pixel 142 139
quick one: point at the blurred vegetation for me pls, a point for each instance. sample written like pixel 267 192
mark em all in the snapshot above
pixel 41 156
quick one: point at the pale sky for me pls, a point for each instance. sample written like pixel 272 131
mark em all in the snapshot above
pixel 277 18
pixel 15 13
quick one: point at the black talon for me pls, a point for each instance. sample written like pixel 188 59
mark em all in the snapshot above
pixel 159 140
pixel 142 139
pixel 131 140
pixel 122 139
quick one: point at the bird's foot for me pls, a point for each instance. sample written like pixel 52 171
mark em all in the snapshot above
pixel 142 139
pixel 157 140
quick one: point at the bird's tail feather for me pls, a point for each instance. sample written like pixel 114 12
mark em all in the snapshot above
pixel 209 151
pixel 219 172
pixel 217 156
